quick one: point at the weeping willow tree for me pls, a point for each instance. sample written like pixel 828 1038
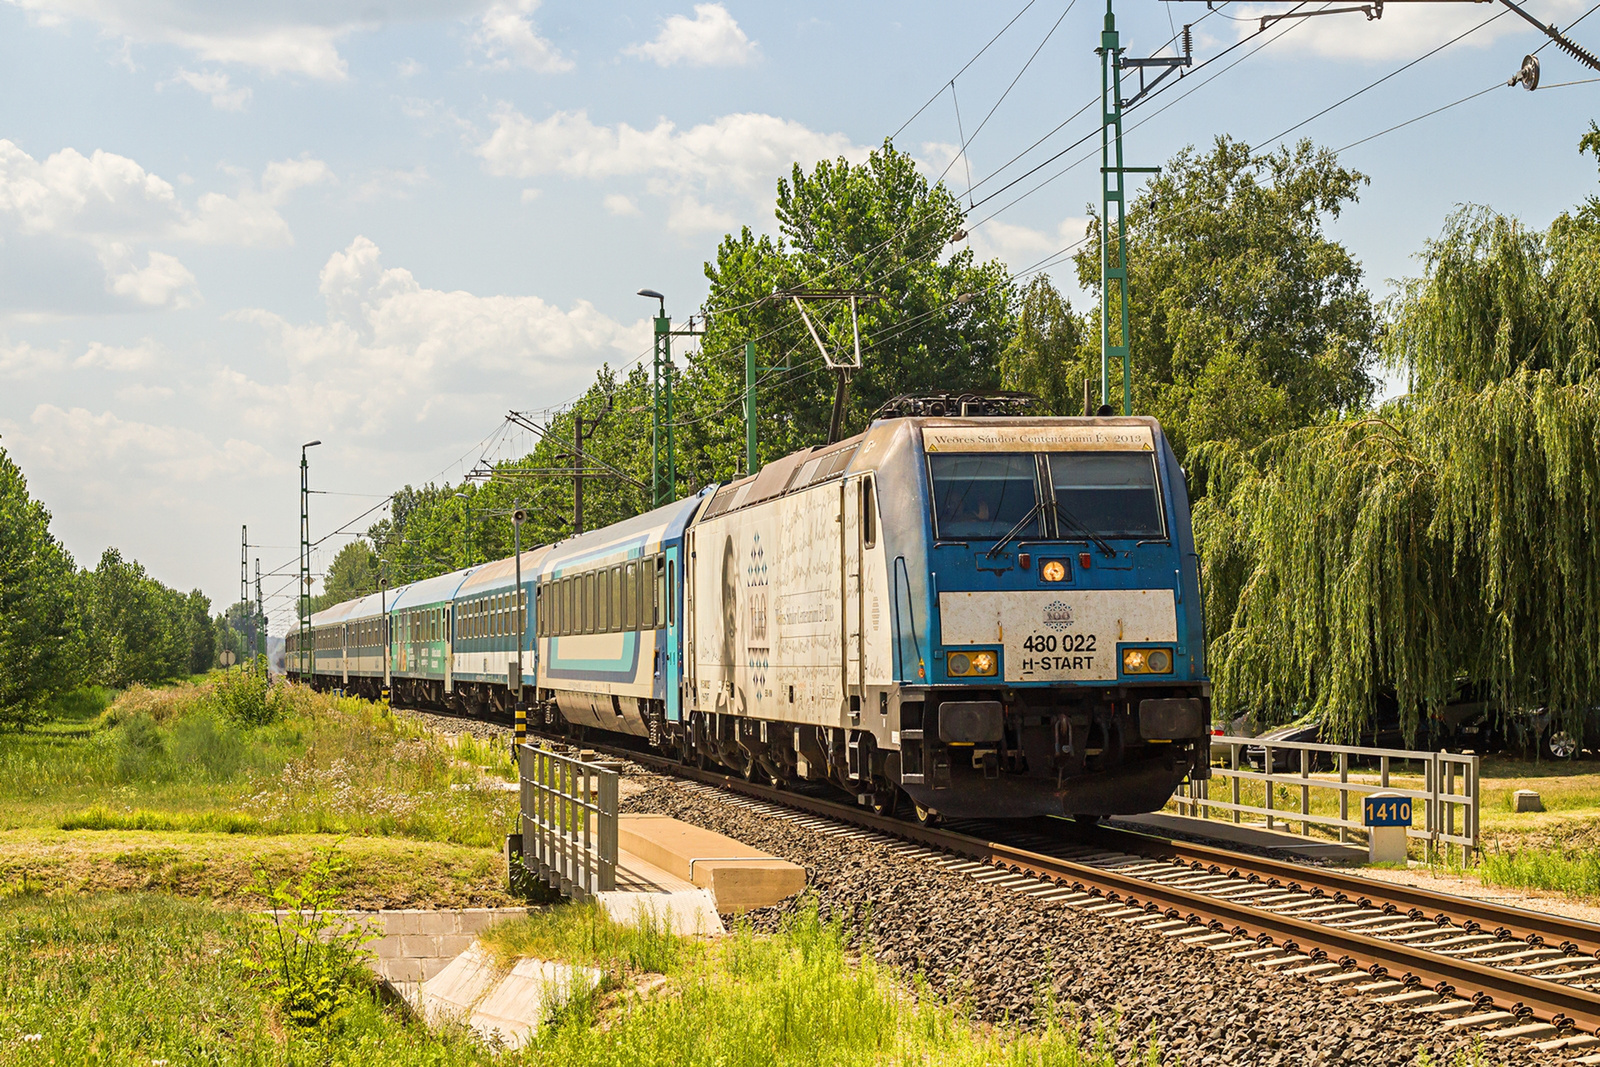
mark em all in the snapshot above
pixel 1444 547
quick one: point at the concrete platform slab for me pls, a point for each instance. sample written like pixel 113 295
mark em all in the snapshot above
pixel 1274 841
pixel 499 1002
pixel 645 892
pixel 739 876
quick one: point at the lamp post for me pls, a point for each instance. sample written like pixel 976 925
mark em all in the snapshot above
pixel 663 488
pixel 306 657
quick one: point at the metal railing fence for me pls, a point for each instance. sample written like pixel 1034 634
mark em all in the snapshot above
pixel 569 822
pixel 1449 797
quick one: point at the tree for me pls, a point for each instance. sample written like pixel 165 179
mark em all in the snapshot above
pixel 1444 546
pixel 40 633
pixel 125 622
pixel 1049 340
pixel 1246 319
pixel 353 573
pixel 879 227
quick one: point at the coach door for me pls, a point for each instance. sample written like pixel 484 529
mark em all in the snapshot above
pixel 449 648
pixel 344 652
pixel 674 678
pixel 850 591
pixel 691 659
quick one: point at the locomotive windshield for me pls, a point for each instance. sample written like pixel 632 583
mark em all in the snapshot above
pixel 983 496
pixel 1112 494
pixel 980 496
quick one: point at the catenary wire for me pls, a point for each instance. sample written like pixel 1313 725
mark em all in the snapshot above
pixel 963 69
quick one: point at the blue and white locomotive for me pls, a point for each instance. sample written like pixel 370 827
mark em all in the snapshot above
pixel 984 616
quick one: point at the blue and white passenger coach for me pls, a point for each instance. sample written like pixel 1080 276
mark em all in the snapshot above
pixel 985 616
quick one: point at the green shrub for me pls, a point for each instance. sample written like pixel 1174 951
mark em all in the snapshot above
pixel 204 743
pixel 1576 873
pixel 308 960
pixel 141 751
pixel 247 697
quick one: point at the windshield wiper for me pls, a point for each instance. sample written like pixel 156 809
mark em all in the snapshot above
pixel 1077 523
pixel 1006 540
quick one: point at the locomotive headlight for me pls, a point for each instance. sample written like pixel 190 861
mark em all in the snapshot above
pixel 1147 661
pixel 981 664
pixel 1053 570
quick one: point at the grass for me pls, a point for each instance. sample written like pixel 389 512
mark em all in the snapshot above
pixel 150 978
pixel 386 872
pixel 136 979
pixel 167 759
pixel 794 998
pixel 1575 873
pixel 217 775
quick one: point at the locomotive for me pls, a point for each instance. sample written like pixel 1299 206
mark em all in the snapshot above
pixel 976 617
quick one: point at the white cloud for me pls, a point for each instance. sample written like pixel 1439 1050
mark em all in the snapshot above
pixel 22 360
pixel 736 156
pixel 618 204
pixel 161 281
pixel 430 348
pixel 507 35
pixel 394 184
pixel 529 195
pixel 409 68
pixel 143 394
pixel 274 37
pixel 113 205
pixel 224 95
pixel 142 356
pixel 690 216
pixel 1405 31
pixel 711 39
pixel 108 449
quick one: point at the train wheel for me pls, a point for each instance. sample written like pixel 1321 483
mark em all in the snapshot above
pixel 925 816
pixel 885 802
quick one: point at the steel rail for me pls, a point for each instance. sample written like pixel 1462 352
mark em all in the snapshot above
pixel 1534 927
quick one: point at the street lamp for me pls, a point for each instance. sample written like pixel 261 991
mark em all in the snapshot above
pixel 307 659
pixel 661 490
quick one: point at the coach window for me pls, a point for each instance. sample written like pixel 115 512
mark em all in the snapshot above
pixel 616 597
pixel 591 602
pixel 630 596
pixel 869 514
pixel 602 585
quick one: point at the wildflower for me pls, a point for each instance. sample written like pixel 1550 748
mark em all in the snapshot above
pixel 32 1038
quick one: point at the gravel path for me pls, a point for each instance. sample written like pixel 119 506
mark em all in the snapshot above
pixel 992 949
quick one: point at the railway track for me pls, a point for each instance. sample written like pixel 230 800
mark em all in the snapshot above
pixel 1504 974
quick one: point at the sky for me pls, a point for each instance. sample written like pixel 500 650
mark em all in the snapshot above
pixel 229 228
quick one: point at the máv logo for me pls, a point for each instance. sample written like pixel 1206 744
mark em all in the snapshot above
pixel 1057 616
